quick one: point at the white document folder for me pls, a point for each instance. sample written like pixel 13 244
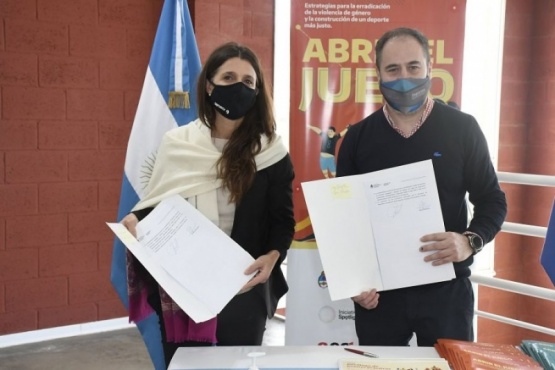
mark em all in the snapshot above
pixel 195 262
pixel 368 226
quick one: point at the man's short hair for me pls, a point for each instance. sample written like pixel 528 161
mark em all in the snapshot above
pixel 332 128
pixel 398 32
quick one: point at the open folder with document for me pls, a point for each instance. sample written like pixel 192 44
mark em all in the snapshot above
pixel 195 262
pixel 368 229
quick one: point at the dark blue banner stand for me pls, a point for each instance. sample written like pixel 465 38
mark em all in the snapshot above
pixel 547 257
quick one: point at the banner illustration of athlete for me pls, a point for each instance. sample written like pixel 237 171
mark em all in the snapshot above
pixel 328 148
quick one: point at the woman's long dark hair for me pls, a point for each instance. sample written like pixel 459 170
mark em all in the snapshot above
pixel 236 167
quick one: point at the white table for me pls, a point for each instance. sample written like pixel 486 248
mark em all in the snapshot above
pixel 283 357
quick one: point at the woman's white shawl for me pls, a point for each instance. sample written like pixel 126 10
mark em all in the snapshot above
pixel 186 165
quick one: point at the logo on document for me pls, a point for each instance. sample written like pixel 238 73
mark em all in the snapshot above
pixel 322 282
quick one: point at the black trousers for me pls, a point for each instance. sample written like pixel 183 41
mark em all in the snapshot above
pixel 242 322
pixel 433 311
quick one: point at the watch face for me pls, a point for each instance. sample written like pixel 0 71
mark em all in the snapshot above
pixel 476 243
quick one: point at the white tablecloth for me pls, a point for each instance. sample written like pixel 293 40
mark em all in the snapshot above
pixel 283 357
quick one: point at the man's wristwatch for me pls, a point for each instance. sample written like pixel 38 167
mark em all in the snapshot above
pixel 476 242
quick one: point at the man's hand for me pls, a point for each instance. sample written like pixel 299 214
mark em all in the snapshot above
pixel 368 300
pixel 263 266
pixel 447 247
pixel 130 222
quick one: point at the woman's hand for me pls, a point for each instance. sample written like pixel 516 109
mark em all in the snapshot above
pixel 130 222
pixel 368 300
pixel 263 267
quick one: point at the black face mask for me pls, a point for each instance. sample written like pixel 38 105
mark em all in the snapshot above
pixel 233 101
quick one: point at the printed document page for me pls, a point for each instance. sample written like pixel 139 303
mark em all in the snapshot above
pixel 183 297
pixel 404 206
pixel 193 252
pixel 393 363
pixel 368 227
pixel 343 231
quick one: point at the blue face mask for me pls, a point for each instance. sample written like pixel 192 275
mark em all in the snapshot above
pixel 406 94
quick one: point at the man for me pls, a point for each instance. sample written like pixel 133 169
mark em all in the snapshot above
pixel 327 150
pixel 411 128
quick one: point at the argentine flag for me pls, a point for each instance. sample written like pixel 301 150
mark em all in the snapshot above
pixel 168 100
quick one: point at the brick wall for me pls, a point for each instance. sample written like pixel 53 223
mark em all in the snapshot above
pixel 540 154
pixel 70 75
pixel 250 22
pixel 527 130
pixel 71 72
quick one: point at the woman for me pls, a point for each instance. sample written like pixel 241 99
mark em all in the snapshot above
pixel 233 167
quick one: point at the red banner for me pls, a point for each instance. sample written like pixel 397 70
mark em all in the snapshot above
pixel 333 75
